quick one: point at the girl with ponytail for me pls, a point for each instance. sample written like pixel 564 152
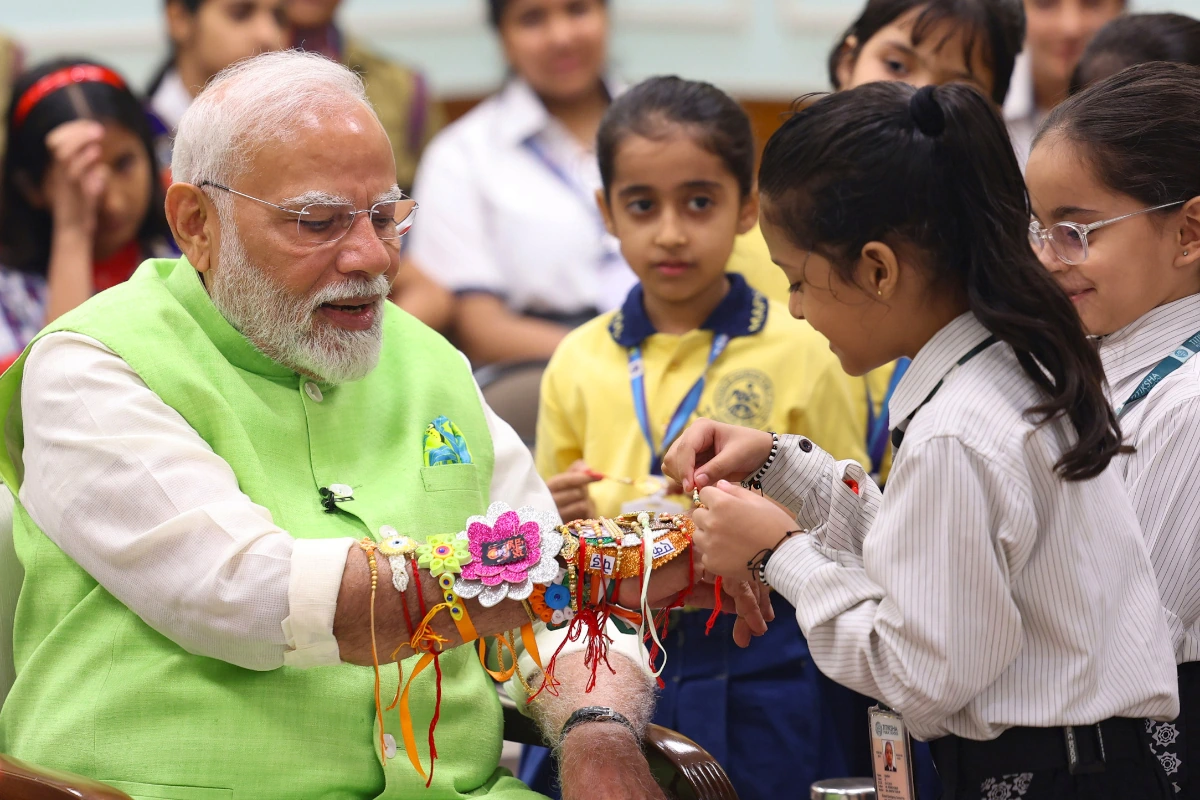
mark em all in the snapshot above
pixel 999 596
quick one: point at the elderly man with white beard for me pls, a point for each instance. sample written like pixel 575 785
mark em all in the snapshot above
pixel 204 458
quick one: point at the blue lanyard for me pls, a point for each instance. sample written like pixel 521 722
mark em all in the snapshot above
pixel 687 406
pixel 877 427
pixel 1179 356
pixel 585 197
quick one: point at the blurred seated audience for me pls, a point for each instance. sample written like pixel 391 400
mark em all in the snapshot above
pixel 509 221
pixel 1056 33
pixel 400 94
pixel 81 203
pixel 1136 39
pixel 10 68
pixel 207 36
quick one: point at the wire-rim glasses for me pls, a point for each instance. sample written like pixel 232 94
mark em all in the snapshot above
pixel 327 222
pixel 1069 240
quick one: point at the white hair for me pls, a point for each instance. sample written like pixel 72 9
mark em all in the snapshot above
pixel 255 102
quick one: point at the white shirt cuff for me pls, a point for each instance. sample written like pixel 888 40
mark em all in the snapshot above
pixel 793 563
pixel 313 587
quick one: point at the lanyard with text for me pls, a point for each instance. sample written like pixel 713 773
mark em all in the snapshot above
pixel 1179 356
pixel 898 433
pixel 877 426
pixel 687 406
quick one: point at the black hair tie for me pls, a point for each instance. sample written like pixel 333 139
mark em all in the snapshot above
pixel 927 112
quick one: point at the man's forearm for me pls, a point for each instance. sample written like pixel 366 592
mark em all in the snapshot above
pixel 351 622
pixel 352 626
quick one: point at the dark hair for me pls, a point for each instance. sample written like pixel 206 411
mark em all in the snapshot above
pixel 496 10
pixel 1138 131
pixel 656 105
pixel 25 231
pixel 1136 39
pixel 998 26
pixel 932 172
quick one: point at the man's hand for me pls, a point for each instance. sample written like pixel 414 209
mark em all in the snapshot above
pixel 570 491
pixel 603 761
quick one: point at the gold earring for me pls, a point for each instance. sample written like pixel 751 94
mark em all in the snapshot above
pixel 880 291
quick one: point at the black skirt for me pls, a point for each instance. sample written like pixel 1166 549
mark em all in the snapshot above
pixel 1113 762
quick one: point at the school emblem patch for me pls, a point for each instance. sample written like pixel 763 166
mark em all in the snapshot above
pixel 745 398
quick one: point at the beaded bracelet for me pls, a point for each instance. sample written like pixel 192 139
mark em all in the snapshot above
pixel 755 480
pixel 758 564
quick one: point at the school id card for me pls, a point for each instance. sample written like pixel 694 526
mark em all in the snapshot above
pixel 891 752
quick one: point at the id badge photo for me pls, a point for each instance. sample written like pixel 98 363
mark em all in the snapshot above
pixel 891 755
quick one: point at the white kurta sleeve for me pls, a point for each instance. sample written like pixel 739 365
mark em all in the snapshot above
pixel 120 481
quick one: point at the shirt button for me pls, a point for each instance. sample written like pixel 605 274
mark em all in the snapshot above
pixel 341 490
pixel 389 745
pixel 388 532
pixel 806 445
pixel 313 391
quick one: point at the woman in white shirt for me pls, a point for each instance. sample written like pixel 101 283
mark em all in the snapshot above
pixel 509 220
pixel 999 595
pixel 1057 31
pixel 1126 153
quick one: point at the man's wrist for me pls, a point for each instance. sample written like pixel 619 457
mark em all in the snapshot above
pixel 595 717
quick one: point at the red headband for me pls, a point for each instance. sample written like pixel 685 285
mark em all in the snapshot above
pixel 59 79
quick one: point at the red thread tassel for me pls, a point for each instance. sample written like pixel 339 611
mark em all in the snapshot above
pixel 437 712
pixel 716 613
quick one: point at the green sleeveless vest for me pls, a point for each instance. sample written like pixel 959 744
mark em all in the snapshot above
pixel 100 693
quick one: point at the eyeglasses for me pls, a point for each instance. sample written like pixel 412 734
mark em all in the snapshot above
pixel 322 223
pixel 1069 240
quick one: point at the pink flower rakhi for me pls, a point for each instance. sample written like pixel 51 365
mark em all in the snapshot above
pixel 510 552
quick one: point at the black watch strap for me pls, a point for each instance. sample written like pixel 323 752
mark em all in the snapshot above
pixel 596 714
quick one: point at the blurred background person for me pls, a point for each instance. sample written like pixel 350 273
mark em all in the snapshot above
pixel 1136 39
pixel 509 221
pixel 81 204
pixel 207 36
pixel 10 67
pixel 1056 33
pixel 399 94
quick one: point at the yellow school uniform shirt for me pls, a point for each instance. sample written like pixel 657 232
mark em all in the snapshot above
pixel 752 259
pixel 777 373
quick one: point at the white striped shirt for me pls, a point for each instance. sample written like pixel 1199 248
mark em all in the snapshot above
pixel 985 592
pixel 1163 476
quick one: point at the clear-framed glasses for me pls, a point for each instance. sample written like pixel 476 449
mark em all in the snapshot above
pixel 322 223
pixel 1069 240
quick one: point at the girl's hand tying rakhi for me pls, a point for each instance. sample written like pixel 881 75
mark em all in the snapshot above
pixel 734 527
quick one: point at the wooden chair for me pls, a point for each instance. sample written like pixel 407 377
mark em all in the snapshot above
pixel 682 768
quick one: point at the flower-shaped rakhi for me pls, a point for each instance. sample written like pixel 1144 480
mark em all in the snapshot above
pixel 510 551
pixel 443 553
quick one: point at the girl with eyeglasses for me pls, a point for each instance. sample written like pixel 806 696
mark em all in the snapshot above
pixel 81 202
pixel 1114 179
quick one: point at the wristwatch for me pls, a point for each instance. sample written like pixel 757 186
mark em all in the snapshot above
pixel 597 714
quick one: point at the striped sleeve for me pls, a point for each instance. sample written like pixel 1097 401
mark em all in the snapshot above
pixel 836 501
pixel 881 629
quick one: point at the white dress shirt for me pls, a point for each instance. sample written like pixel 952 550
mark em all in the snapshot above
pixel 1021 113
pixel 1163 474
pixel 508 207
pixel 121 482
pixel 983 592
